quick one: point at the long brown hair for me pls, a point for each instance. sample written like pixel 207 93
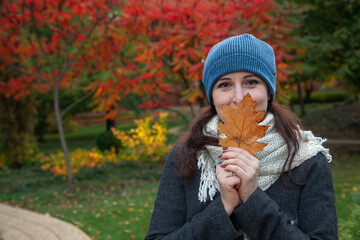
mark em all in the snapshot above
pixel 194 141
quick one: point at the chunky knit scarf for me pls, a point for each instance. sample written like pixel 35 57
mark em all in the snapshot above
pixel 271 158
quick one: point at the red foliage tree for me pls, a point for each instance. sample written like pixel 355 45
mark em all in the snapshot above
pixel 54 45
pixel 152 48
pixel 174 38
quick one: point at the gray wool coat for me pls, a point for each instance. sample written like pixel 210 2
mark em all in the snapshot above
pixel 280 212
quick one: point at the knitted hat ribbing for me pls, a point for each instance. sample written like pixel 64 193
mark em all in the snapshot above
pixel 240 53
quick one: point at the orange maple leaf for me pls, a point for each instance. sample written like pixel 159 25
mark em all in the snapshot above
pixel 241 126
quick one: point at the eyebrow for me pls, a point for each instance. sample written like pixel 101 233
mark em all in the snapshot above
pixel 251 75
pixel 247 76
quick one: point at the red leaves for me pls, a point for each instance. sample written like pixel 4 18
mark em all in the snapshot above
pixel 56 37
pixel 142 45
pixel 145 76
pixel 195 68
pixel 37 33
pixel 182 32
pixel 154 104
pixel 80 37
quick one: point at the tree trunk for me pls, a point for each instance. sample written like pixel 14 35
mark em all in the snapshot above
pixel 307 95
pixel 110 123
pixel 301 100
pixel 291 105
pixel 62 136
pixel 308 90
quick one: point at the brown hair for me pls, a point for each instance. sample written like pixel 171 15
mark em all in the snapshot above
pixel 194 141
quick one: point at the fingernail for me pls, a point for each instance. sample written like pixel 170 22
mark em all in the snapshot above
pixel 224 148
pixel 220 156
pixel 220 162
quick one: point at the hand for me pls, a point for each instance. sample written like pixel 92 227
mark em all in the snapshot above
pixel 244 165
pixel 228 189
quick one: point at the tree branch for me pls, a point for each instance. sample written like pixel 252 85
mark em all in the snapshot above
pixel 71 106
pixel 22 70
pixel 180 73
pixel 40 45
pixel 87 36
pixel 66 59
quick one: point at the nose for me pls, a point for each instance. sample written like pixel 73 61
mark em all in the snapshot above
pixel 238 94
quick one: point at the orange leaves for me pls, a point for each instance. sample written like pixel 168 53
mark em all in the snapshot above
pixel 241 127
pixel 150 42
pixel 195 68
pixel 180 33
pixel 70 37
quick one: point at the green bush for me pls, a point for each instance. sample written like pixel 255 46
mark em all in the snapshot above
pixel 350 228
pixel 106 140
pixel 323 97
pixel 17 143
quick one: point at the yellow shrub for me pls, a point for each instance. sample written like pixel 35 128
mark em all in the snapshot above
pixel 80 158
pixel 147 142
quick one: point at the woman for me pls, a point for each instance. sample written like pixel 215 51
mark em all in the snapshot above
pixel 210 192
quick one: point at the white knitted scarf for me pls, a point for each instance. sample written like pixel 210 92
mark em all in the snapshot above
pixel 271 158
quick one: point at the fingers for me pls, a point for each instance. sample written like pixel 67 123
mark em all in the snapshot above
pixel 238 153
pixel 232 152
pixel 243 165
pixel 240 166
pixel 226 179
pixel 222 173
pixel 240 162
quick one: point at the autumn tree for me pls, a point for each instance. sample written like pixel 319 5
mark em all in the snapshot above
pixel 174 37
pixel 53 45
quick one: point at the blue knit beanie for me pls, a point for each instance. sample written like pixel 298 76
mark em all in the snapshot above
pixel 240 53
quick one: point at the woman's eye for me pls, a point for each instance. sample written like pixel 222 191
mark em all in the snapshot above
pixel 251 82
pixel 223 85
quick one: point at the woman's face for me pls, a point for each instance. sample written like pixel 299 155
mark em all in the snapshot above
pixel 234 86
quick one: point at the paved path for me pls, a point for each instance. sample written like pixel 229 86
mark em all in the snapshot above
pixel 21 224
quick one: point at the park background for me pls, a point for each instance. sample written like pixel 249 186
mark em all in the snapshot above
pixel 93 94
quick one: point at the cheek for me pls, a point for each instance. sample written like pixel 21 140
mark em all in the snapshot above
pixel 218 107
pixel 261 107
pixel 219 111
pixel 261 103
pixel 222 99
pixel 219 103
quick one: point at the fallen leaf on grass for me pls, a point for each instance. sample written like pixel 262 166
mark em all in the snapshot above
pixel 241 126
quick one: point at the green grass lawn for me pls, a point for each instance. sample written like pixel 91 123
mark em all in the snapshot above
pixel 116 201
pixel 112 202
pixel 346 174
pixel 313 107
